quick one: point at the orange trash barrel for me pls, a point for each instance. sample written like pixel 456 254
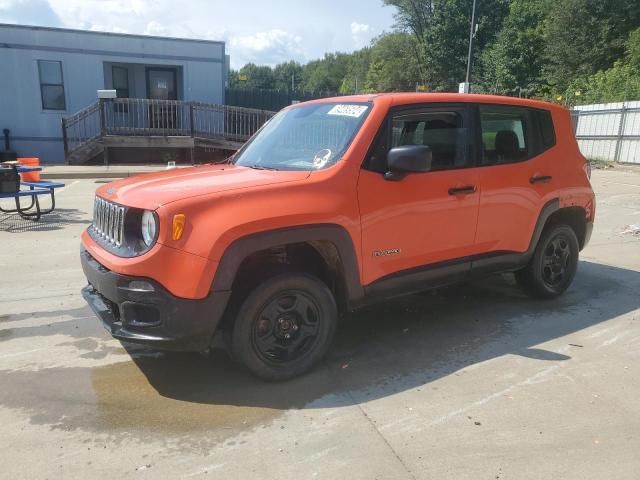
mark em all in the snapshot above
pixel 30 176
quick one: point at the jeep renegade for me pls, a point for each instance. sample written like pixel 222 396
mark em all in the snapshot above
pixel 334 204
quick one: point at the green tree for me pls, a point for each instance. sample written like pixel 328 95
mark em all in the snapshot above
pixel 257 77
pixel 357 68
pixel 586 36
pixel 325 74
pixel 287 76
pixel 616 84
pixel 441 29
pixel 513 64
pixel 393 65
pixel 232 79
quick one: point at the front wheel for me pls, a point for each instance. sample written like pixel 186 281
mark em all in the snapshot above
pixel 285 326
pixel 553 265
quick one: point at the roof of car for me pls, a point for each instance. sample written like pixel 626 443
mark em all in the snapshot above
pixel 413 97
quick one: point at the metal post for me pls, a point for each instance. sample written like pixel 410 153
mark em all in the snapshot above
pixel 623 117
pixel 193 133
pixel 191 117
pixel 575 119
pixel 103 129
pixel 471 36
pixel 103 119
pixel 65 141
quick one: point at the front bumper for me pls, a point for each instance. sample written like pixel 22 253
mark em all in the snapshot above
pixel 145 312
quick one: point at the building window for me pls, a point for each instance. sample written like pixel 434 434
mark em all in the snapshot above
pixel 51 85
pixel 120 81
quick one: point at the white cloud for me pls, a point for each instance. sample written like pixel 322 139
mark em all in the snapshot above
pixel 28 12
pixel 359 33
pixel 359 28
pixel 156 28
pixel 270 47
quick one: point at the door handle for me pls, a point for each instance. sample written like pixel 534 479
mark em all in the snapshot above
pixel 467 189
pixel 540 179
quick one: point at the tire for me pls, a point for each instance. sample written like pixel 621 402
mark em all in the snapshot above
pixel 553 265
pixel 285 326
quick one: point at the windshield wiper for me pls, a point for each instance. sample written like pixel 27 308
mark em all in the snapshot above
pixel 261 167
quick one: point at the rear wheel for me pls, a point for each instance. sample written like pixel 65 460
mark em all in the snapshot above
pixel 553 265
pixel 285 326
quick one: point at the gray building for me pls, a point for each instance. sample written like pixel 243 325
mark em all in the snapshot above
pixel 50 73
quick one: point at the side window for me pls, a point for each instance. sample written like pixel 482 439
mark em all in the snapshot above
pixel 514 134
pixel 51 85
pixel 442 130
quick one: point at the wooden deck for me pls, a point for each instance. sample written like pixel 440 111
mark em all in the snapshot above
pixel 143 123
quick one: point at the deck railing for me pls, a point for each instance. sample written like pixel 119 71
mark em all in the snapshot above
pixel 81 128
pixel 146 117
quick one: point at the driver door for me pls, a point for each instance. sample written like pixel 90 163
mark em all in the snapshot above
pixel 426 218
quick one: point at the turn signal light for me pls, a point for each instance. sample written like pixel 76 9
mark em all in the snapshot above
pixel 178 226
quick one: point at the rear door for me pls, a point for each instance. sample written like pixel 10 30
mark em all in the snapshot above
pixel 515 174
pixel 425 218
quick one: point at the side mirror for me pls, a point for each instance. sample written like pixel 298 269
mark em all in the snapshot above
pixel 407 159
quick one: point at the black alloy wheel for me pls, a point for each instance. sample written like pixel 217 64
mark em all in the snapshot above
pixel 553 265
pixel 555 261
pixel 285 326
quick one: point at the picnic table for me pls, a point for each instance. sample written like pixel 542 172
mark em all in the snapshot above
pixel 32 190
pixel 26 169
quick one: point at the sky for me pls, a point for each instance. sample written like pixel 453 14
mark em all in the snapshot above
pixel 260 31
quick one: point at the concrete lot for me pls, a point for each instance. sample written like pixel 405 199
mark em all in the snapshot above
pixel 475 382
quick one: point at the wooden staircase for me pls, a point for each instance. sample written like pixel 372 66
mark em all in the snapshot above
pixel 85 152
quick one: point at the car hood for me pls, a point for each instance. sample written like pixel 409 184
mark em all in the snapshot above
pixel 152 190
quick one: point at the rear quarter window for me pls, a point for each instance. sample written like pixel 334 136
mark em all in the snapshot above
pixel 547 133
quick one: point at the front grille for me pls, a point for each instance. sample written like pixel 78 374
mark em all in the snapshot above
pixel 108 221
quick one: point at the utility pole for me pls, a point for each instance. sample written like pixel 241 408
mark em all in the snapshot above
pixel 472 34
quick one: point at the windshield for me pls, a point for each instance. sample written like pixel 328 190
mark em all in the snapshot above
pixel 308 137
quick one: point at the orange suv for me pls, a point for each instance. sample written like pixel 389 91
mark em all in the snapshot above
pixel 334 204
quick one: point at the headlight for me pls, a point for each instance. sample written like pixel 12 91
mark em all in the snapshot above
pixel 149 228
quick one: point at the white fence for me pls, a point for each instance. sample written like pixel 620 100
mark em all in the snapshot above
pixel 609 131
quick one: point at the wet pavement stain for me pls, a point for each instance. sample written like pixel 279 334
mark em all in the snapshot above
pixel 76 328
pixel 5 334
pixel 126 400
pixel 95 349
pixel 176 395
pixel 73 313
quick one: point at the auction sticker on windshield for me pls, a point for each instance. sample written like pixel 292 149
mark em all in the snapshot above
pixel 348 110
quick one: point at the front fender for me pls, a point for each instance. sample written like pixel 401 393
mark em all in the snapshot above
pixel 335 234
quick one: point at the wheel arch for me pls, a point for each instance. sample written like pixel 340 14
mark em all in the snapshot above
pixel 553 214
pixel 575 217
pixel 331 243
